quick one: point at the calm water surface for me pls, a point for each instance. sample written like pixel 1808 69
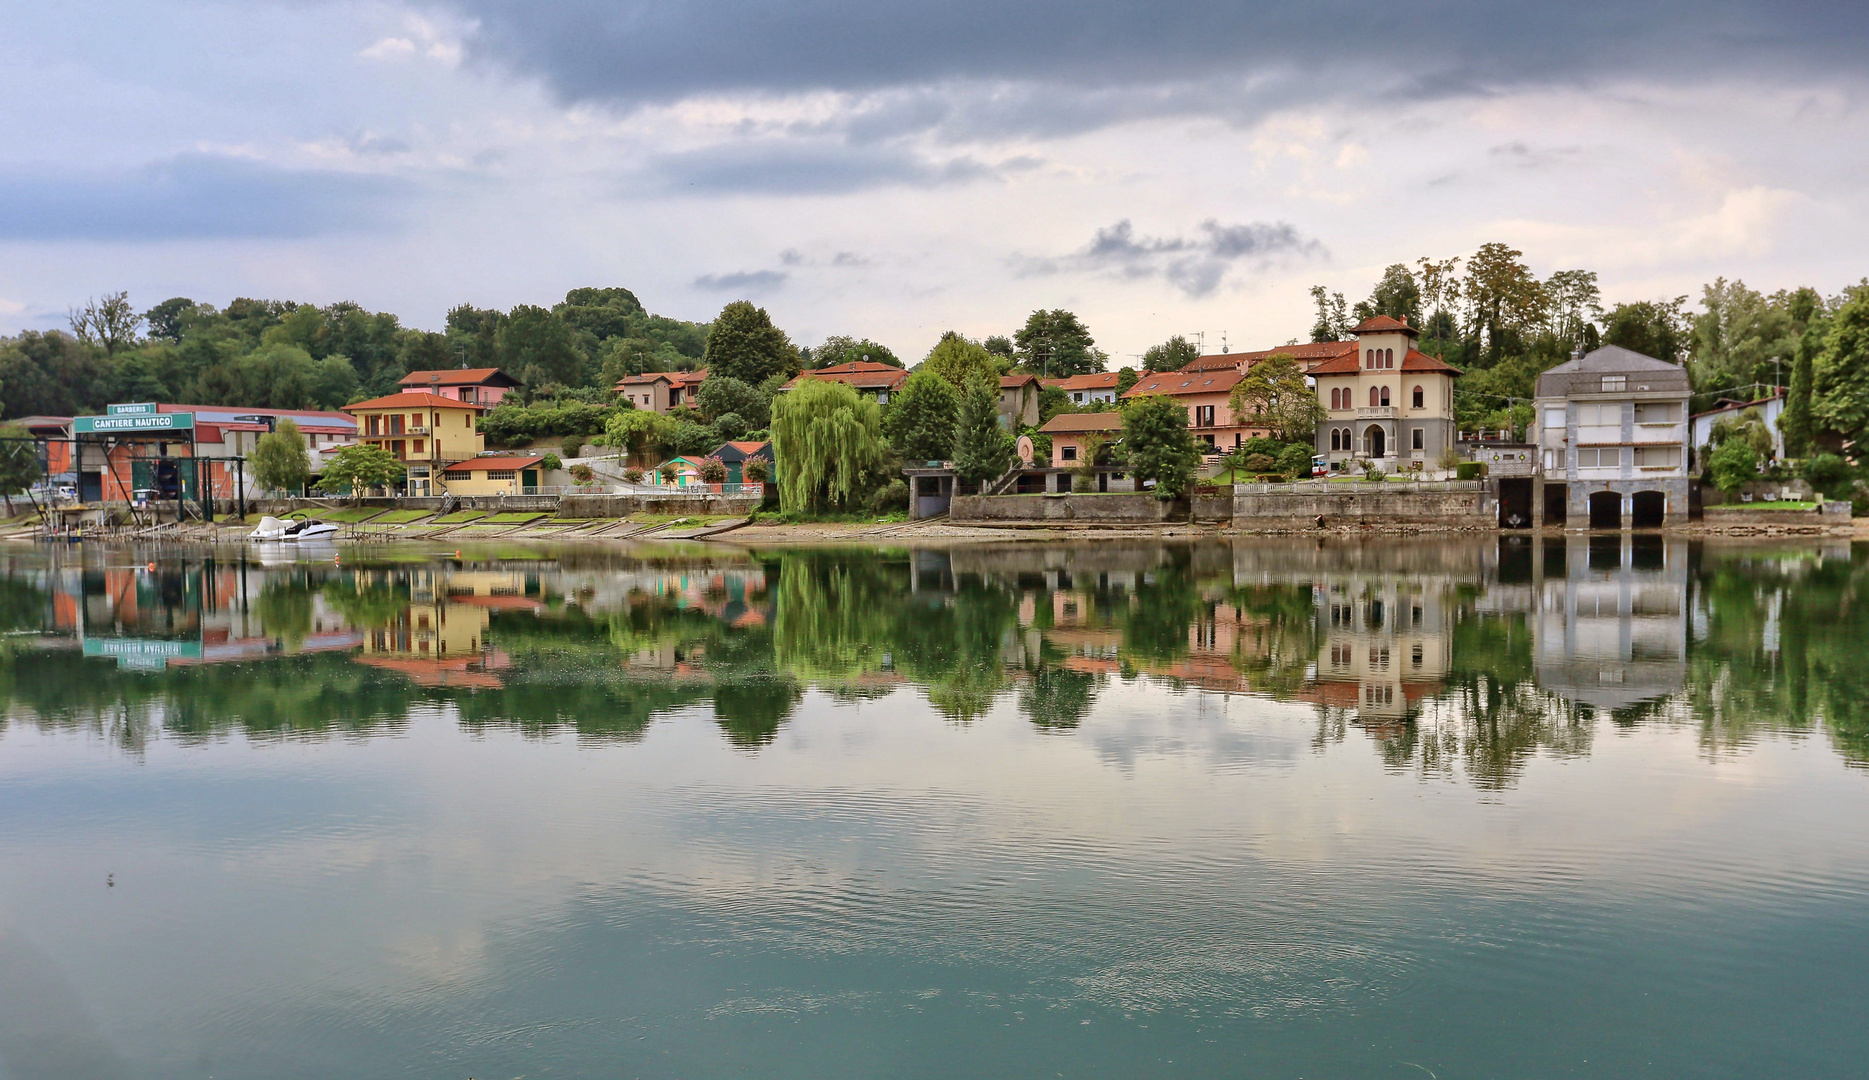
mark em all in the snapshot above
pixel 1468 808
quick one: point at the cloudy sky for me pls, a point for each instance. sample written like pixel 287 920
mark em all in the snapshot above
pixel 893 169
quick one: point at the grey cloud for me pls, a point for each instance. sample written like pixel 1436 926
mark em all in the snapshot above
pixel 791 257
pixel 1194 264
pixel 639 50
pixel 192 196
pixel 742 281
pixel 849 258
pixel 813 168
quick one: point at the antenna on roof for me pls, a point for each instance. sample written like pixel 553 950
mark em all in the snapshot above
pixel 1224 347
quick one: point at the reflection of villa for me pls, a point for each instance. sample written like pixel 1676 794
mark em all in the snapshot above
pixel 1612 632
pixel 439 639
pixel 1386 643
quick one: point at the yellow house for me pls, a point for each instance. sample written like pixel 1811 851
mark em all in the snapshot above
pixel 512 474
pixel 1385 400
pixel 424 431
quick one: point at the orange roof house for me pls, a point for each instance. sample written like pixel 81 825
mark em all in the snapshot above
pixel 660 391
pixel 482 386
pixel 1205 395
pixel 864 376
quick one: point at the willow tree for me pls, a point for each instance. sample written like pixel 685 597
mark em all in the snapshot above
pixel 826 440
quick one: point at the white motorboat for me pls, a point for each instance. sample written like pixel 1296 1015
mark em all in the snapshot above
pixel 279 529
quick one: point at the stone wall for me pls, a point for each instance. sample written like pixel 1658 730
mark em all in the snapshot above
pixel 571 506
pixel 1828 517
pixel 1086 508
pixel 606 506
pixel 1469 504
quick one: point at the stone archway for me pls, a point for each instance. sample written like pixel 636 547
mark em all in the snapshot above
pixel 1605 510
pixel 1376 440
pixel 1648 509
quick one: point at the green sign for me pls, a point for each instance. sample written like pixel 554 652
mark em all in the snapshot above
pixel 142 654
pixel 103 425
pixel 141 408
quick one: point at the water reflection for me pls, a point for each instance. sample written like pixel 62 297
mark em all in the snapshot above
pixel 1456 657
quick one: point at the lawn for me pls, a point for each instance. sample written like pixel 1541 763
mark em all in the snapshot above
pixel 1780 504
pixel 341 517
pixel 459 517
pixel 399 517
pixel 511 519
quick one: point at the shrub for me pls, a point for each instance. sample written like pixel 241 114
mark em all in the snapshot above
pixel 713 470
pixel 582 474
pixel 1733 464
pixel 1830 474
pixel 1469 470
pixel 633 475
pixel 1260 463
pixel 889 498
pixel 755 471
pixel 551 461
pixel 669 471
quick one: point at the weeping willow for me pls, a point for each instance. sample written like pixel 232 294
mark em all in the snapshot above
pixel 826 440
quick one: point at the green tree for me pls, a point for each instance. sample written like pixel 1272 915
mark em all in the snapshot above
pixel 1742 337
pixel 1157 445
pixel 1333 316
pixel 1796 423
pixel 744 345
pixel 167 320
pixel 280 460
pixel 842 349
pixel 356 468
pixel 19 463
pixel 540 349
pixel 1125 379
pixel 827 441
pixel 1056 343
pixel 1171 355
pixel 921 418
pixel 999 345
pixel 1397 295
pixel 1733 464
pixel 983 448
pixel 108 324
pixel 723 394
pixel 50 374
pixel 1840 385
pixel 957 359
pixel 1504 299
pixel 1274 395
pixel 634 431
pixel 1651 327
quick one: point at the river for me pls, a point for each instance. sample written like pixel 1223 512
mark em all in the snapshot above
pixel 1450 808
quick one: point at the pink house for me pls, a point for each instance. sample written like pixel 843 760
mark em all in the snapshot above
pixel 1204 395
pixel 481 386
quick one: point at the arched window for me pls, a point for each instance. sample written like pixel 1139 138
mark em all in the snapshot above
pixel 1385 396
pixel 1335 442
pixel 1333 397
pixel 1421 397
pixel 1372 397
pixel 1369 358
pixel 1388 358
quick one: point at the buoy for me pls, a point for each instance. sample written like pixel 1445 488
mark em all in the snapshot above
pixel 151 568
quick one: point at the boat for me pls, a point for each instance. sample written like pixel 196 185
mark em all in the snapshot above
pixel 279 529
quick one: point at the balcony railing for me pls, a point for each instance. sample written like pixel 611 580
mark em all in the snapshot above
pixel 1376 412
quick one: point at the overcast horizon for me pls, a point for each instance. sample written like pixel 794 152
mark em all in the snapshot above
pixel 893 170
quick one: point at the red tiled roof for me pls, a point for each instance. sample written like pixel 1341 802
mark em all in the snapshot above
pixel 1380 324
pixel 1175 383
pixel 412 400
pixel 512 461
pixel 645 378
pixel 478 376
pixel 1308 353
pixel 1099 380
pixel 749 447
pixel 1068 423
pixel 1013 382
pixel 1351 363
pixel 856 373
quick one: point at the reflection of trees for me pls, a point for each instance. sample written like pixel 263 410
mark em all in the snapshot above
pixel 1057 698
pixel 1278 637
pixel 1492 717
pixel 1166 601
pixel 1816 612
pixel 750 710
pixel 284 606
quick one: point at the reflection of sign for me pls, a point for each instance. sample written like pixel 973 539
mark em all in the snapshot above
pixel 143 654
pixel 175 421
pixel 141 408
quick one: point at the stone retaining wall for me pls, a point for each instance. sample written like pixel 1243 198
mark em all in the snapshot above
pixel 571 506
pixel 1830 517
pixel 1468 504
pixel 1081 508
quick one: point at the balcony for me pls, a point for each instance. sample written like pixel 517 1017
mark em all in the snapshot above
pixel 1376 412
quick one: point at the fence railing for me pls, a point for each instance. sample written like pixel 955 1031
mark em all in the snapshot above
pixel 1357 487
